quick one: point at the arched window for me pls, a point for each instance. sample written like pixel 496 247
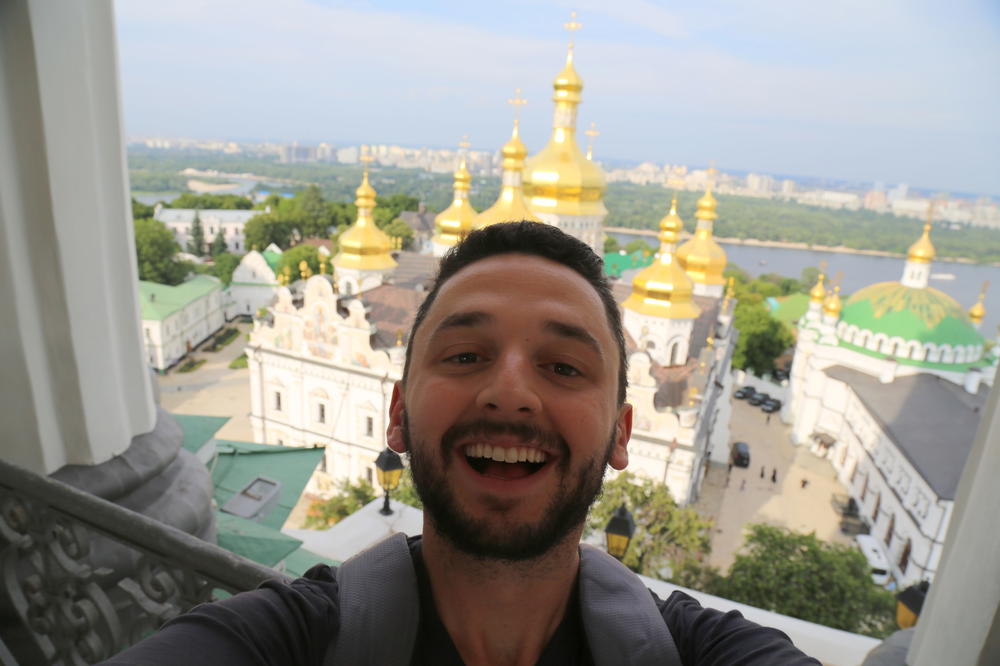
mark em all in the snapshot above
pixel 888 532
pixel 904 558
pixel 673 353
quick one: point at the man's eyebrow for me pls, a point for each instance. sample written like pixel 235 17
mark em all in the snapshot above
pixel 574 332
pixel 463 319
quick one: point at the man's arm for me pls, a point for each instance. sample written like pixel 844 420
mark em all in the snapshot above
pixel 274 624
pixel 707 637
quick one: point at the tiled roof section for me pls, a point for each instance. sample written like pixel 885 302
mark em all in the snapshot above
pixel 391 308
pixel 421 222
pixel 319 242
pixel 217 214
pixel 414 270
pixel 159 301
pixel 931 420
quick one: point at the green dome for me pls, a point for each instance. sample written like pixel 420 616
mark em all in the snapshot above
pixel 925 315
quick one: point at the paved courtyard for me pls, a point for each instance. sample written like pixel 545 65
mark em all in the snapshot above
pixel 214 389
pixel 749 497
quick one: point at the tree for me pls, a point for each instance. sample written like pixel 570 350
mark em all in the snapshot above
pixel 762 337
pixel 210 201
pixel 314 215
pixel 218 244
pixel 225 264
pixel 141 210
pixel 155 248
pixel 666 535
pixel 639 244
pixel 196 244
pixel 294 256
pixel 349 498
pixel 797 574
pixel 399 229
pixel 266 228
pixel 611 244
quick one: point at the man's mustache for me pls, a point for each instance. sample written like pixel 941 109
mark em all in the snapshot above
pixel 484 428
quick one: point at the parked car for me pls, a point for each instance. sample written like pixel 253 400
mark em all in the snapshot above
pixel 872 549
pixel 757 399
pixel 780 375
pixel 743 393
pixel 770 405
pixel 739 455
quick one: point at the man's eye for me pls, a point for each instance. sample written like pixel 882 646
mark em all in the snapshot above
pixel 464 358
pixel 565 370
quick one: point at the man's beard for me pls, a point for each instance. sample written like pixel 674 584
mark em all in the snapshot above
pixel 483 537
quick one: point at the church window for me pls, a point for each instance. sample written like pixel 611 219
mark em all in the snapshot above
pixel 878 505
pixel 368 475
pixel 904 559
pixel 321 413
pixel 277 400
pixel 673 353
pixel 888 532
pixel 369 426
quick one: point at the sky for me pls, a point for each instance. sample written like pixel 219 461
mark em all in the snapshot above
pixel 865 90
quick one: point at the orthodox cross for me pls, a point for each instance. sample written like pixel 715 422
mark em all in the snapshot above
pixel 572 27
pixel 517 102
pixel 593 134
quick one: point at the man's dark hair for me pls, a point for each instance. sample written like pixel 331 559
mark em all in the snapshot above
pixel 540 240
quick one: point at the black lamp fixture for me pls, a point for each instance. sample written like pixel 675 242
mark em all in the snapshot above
pixel 388 468
pixel 619 532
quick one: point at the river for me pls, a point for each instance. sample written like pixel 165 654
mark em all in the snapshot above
pixel 860 270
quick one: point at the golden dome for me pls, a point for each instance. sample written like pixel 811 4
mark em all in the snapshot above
pixel 978 311
pixel 663 289
pixel 510 206
pixel 818 292
pixel 703 258
pixel 833 303
pixel 364 246
pixel 455 222
pixel 560 179
pixel 922 252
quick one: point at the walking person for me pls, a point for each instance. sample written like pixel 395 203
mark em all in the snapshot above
pixel 762 471
pixel 743 485
pixel 774 475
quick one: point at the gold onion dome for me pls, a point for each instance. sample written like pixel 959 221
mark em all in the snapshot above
pixel 978 311
pixel 703 258
pixel 922 252
pixel 560 179
pixel 833 304
pixel 455 222
pixel 510 206
pixel 663 289
pixel 364 246
pixel 818 292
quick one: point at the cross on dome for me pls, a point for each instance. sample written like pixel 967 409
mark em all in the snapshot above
pixel 517 102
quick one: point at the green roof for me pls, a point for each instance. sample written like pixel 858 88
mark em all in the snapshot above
pixel 239 463
pixel 616 263
pixel 159 301
pixel 791 308
pixel 926 315
pixel 254 541
pixel 272 258
pixel 199 429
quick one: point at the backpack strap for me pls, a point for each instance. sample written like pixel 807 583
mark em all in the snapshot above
pixel 379 607
pixel 623 625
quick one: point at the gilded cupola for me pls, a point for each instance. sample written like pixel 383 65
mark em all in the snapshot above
pixel 663 289
pixel 818 293
pixel 922 251
pixel 978 311
pixel 703 258
pixel 510 206
pixel 455 222
pixel 364 246
pixel 560 180
pixel 833 304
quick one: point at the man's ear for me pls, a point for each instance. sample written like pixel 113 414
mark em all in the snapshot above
pixel 397 415
pixel 623 431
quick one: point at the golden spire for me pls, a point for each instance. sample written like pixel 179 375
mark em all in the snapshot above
pixel 455 222
pixel 560 180
pixel 978 311
pixel 510 206
pixel 663 289
pixel 287 275
pixel 592 134
pixel 322 264
pixel 304 270
pixel 922 252
pixel 364 246
pixel 833 304
pixel 703 258
pixel 399 337
pixel 818 292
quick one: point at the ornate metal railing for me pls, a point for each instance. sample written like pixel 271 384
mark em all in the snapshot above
pixel 60 602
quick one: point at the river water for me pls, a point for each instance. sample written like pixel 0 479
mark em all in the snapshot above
pixel 860 270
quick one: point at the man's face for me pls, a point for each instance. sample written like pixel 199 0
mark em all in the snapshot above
pixel 509 410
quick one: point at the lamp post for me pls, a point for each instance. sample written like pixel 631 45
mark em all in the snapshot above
pixel 388 468
pixel 619 532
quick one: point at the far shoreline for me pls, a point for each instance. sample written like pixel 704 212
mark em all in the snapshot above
pixel 795 245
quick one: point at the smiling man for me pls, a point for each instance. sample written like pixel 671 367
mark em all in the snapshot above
pixel 511 407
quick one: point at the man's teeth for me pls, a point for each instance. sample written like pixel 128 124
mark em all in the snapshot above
pixel 510 454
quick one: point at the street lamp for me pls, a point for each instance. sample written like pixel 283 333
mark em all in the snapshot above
pixel 619 532
pixel 388 467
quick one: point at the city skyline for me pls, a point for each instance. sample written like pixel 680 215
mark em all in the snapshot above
pixel 849 92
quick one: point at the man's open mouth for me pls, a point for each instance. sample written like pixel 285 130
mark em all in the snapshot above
pixel 509 463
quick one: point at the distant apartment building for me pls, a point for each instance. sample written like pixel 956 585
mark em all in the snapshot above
pixel 231 222
pixel 831 199
pixel 876 200
pixel 760 184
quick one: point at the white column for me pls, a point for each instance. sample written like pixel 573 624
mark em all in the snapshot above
pixel 960 621
pixel 75 380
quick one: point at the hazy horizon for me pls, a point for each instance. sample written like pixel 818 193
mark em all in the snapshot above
pixel 894 93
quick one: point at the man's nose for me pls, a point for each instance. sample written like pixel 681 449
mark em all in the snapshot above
pixel 510 388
